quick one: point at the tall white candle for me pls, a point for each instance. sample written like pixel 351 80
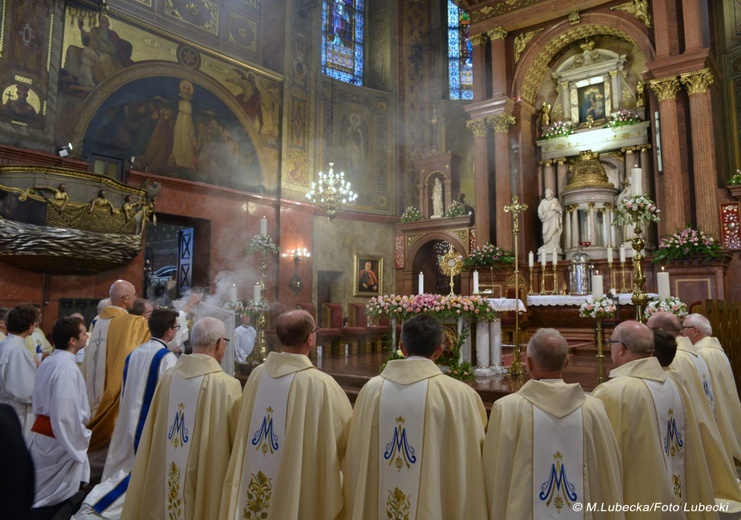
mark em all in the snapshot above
pixel 609 254
pixel 256 292
pixel 543 259
pixel 662 280
pixel 597 291
pixel 555 256
pixel 530 259
pixel 622 254
pixel 421 281
pixel 475 282
pixel 263 226
pixel 233 293
pixel 636 181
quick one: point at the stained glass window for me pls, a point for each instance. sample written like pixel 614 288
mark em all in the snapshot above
pixel 343 35
pixel 460 66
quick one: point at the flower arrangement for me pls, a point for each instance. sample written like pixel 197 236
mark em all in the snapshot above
pixel 558 129
pixel 250 307
pixel 456 209
pixel 600 309
pixel 441 307
pixel 636 209
pixel 623 118
pixel 736 179
pixel 487 255
pixel 687 243
pixel 411 214
pixel 263 244
pixel 671 304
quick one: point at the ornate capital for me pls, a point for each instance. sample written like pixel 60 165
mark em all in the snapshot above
pixel 665 88
pixel 613 73
pixel 501 122
pixel 477 127
pixel 560 160
pixel 479 39
pixel 546 162
pixel 574 18
pixel 638 8
pixel 497 34
pixel 591 206
pixel 644 147
pixel 697 82
pixel 608 206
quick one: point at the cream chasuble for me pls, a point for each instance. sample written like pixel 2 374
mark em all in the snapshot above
pixel 451 484
pixel 95 365
pixel 308 483
pixel 727 405
pixel 549 446
pixel 687 359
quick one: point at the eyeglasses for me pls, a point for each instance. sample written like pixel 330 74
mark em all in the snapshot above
pixel 176 326
pixel 613 341
pixel 226 340
pixel 689 327
pixel 310 333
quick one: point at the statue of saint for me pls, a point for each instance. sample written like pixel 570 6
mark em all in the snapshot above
pixel 437 199
pixel 545 116
pixel 550 213
pixel 641 94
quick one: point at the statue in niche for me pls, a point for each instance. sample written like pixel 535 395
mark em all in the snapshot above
pixel 545 115
pixel 437 199
pixel 641 94
pixel 550 213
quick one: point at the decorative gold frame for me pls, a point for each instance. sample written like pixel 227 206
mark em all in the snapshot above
pixel 577 87
pixel 359 265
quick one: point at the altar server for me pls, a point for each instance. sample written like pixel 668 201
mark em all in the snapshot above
pixel 144 367
pixel 291 437
pixel 416 437
pixel 184 451
pixel 17 365
pixel 59 439
pixel 549 445
pixel 657 435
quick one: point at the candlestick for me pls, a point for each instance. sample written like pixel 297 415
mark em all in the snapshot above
pixel 263 226
pixel 256 293
pixel 421 281
pixel 543 259
pixel 662 281
pixel 530 259
pixel 555 256
pixel 233 293
pixel 623 289
pixel 530 291
pixel 622 254
pixel 516 369
pixel 555 275
pixel 475 282
pixel 609 254
pixel 597 290
pixel 600 355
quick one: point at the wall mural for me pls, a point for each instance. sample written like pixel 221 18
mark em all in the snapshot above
pixel 172 126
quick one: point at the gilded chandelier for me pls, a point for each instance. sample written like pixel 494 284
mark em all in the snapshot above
pixel 331 191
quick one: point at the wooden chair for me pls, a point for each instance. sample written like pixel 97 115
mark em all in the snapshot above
pixel 508 318
pixel 333 317
pixel 324 336
pixel 374 333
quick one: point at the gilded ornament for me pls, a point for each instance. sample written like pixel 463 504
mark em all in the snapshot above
pixel 398 505
pixel 501 122
pixel 259 491
pixel 665 88
pixel 477 127
pixel 497 34
pixel 638 8
pixel 522 40
pixel 479 39
pixel 697 82
pixel 587 171
pixel 174 502
pixel 574 18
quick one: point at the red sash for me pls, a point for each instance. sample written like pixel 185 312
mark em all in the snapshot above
pixel 42 426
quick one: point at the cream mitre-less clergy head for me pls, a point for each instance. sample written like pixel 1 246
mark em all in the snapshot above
pixel 547 354
pixel 296 331
pixel 422 336
pixel 208 338
pixel 123 294
pixel 696 327
pixel 630 340
pixel 665 321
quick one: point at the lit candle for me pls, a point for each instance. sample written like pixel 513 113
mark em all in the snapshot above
pixel 543 259
pixel 530 259
pixel 555 256
pixel 475 282
pixel 662 280
pixel 233 293
pixel 636 181
pixel 622 254
pixel 421 283
pixel 256 292
pixel 609 254
pixel 263 226
pixel 597 291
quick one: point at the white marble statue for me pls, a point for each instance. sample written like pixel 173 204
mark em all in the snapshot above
pixel 551 213
pixel 437 199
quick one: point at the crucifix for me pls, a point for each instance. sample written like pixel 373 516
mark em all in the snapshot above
pixel 516 370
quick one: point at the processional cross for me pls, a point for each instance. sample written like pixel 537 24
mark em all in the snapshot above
pixel 516 208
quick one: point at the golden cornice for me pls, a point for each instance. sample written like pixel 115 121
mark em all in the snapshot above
pixel 501 122
pixel 638 8
pixel 477 127
pixel 665 88
pixel 505 6
pixel 644 147
pixel 697 82
pixel 497 34
pixel 479 40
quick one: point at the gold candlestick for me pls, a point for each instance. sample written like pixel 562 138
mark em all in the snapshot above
pixel 516 369
pixel 261 344
pixel 624 289
pixel 530 291
pixel 542 279
pixel 640 298
pixel 555 279
pixel 600 354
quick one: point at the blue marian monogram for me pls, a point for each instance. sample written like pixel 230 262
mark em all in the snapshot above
pixel 265 438
pixel 558 483
pixel 673 439
pixel 399 451
pixel 178 434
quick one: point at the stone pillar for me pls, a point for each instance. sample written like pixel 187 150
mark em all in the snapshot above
pixel 630 162
pixel 567 227
pixel 566 101
pixel 478 43
pixel 481 176
pixel 691 13
pixel 675 215
pixel 498 62
pixel 616 92
pixel 502 178
pixel 647 167
pixel 562 169
pixel 575 226
pixel 610 237
pixel 549 177
pixel 703 151
pixel 591 224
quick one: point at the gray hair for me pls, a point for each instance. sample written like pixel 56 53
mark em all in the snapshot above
pixel 206 333
pixel 699 321
pixel 636 339
pixel 548 349
pixel 102 304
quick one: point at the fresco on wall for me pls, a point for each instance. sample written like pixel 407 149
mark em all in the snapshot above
pixel 174 126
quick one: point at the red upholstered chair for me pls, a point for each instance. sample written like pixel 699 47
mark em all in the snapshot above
pixel 324 336
pixel 374 333
pixel 333 317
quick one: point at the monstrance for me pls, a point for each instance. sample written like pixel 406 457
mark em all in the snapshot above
pixel 451 265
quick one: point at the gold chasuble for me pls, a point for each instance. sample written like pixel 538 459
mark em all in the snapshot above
pixel 182 458
pixel 656 431
pixel 549 446
pixel 450 481
pixel 287 467
pixel 125 333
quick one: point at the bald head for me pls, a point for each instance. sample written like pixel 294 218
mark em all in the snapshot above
pixel 123 294
pixel 294 329
pixel 631 340
pixel 665 321
pixel 547 351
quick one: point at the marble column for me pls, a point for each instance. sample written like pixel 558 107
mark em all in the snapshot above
pixel 566 101
pixel 616 93
pixel 481 177
pixel 675 215
pixel 549 177
pixel 575 226
pixel 478 43
pixel 692 18
pixel 703 150
pixel 591 224
pixel 609 216
pixel 567 226
pixel 562 170
pixel 498 53
pixel 502 178
pixel 647 168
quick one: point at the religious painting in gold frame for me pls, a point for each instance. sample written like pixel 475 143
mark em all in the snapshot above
pixel 368 275
pixel 591 102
